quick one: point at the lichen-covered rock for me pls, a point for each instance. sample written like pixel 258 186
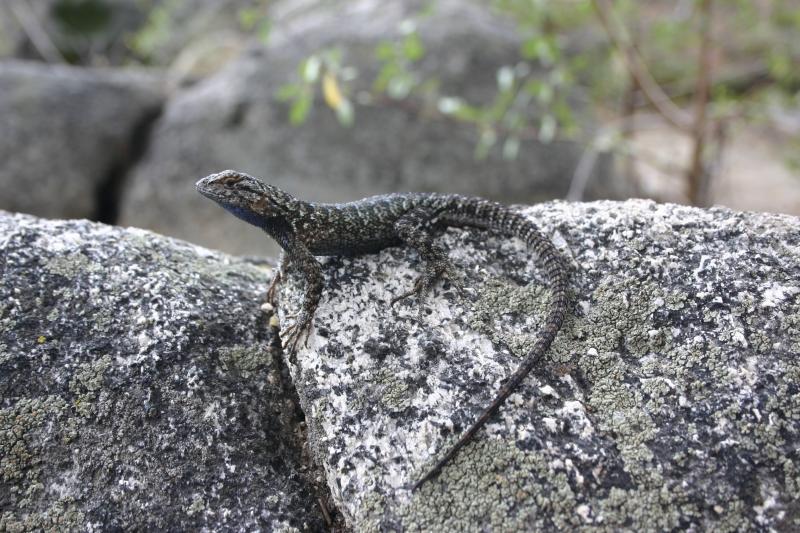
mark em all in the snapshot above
pixel 68 134
pixel 669 401
pixel 138 387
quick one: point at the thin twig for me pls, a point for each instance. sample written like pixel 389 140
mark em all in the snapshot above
pixel 697 174
pixel 35 32
pixel 649 87
pixel 583 171
pixel 629 101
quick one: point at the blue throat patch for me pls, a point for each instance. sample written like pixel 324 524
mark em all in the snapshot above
pixel 245 214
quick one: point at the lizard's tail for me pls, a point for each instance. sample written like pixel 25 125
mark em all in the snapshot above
pixel 556 270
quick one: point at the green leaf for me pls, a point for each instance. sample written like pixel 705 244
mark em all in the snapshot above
pixel 309 69
pixel 563 114
pixel 407 26
pixel 248 17
pixel 288 92
pixel 543 92
pixel 528 48
pixel 487 140
pixel 547 129
pixel 448 105
pixel 384 51
pixel 300 108
pixel 511 148
pixel 154 33
pixel 542 48
pixel 505 78
pixel 400 86
pixel 780 65
pixel 345 113
pixel 387 72
pixel 332 58
pixel 264 30
pixel 468 113
pixel 413 49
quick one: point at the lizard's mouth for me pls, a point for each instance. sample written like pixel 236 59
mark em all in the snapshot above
pixel 205 187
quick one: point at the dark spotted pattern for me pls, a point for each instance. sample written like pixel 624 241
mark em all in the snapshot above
pixel 305 229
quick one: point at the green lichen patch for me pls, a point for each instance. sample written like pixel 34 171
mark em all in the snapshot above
pixel 25 431
pixel 62 515
pixel 246 360
pixel 86 383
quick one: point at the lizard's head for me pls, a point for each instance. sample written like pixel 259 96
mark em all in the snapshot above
pixel 247 197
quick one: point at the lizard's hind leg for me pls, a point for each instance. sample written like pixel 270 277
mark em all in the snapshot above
pixel 414 230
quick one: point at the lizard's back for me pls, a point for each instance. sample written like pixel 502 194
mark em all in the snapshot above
pixel 366 225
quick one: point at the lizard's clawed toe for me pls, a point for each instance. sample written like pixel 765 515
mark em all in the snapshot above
pixel 273 288
pixel 420 287
pixel 425 282
pixel 455 280
pixel 296 333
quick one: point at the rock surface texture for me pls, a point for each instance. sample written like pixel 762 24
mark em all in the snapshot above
pixel 68 134
pixel 235 119
pixel 139 389
pixel 669 401
pixel 140 386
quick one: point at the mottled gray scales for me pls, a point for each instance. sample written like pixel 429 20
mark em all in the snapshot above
pixel 305 230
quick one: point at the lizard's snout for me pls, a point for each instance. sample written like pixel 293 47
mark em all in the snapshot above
pixel 203 185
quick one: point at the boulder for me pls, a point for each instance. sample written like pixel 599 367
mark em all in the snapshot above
pixel 234 119
pixel 68 135
pixel 140 385
pixel 669 401
pixel 141 388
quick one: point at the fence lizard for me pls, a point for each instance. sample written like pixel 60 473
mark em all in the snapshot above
pixel 304 230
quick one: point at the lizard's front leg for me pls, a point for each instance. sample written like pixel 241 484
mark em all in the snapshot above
pixel 276 279
pixel 312 272
pixel 414 230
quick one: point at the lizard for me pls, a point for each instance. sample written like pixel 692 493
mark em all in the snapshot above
pixel 305 230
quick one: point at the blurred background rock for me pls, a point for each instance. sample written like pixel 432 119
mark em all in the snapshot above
pixel 112 109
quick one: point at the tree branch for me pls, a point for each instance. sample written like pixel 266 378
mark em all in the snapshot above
pixel 39 38
pixel 697 175
pixel 649 87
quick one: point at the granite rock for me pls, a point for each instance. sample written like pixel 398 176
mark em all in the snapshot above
pixel 141 388
pixel 669 401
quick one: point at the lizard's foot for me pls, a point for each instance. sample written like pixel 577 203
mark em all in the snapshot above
pixel 273 287
pixel 297 333
pixel 426 281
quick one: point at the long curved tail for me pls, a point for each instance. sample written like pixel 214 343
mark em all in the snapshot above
pixel 485 214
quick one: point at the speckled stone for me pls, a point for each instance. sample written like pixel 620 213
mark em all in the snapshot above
pixel 669 401
pixel 139 389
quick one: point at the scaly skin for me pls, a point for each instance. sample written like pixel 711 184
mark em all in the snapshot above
pixel 305 229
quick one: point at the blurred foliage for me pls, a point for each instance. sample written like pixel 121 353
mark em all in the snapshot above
pixel 154 32
pixel 325 70
pixel 256 19
pixel 84 17
pixel 159 31
pixel 566 59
